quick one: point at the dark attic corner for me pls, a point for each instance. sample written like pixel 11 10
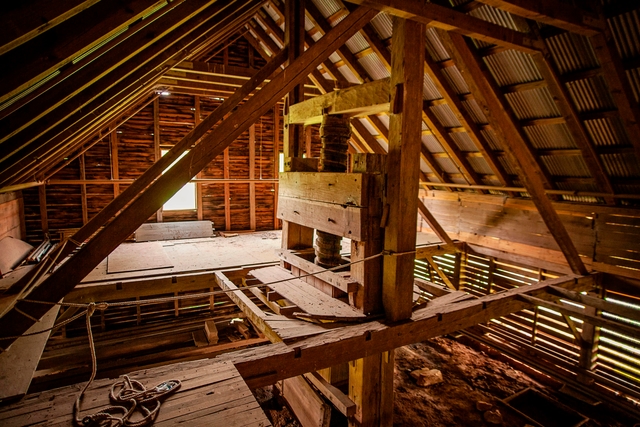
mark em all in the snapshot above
pixel 320 213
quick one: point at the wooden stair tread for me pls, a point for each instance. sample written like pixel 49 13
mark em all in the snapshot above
pixel 305 296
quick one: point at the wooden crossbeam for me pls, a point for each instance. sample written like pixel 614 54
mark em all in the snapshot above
pixel 268 364
pixel 448 19
pixel 550 12
pixel 84 260
pixel 360 100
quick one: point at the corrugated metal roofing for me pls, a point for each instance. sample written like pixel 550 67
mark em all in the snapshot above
pixel 464 141
pixel 500 17
pixel 374 66
pixel 550 136
pixel 591 94
pixel 475 111
pixel 383 144
pixel 533 104
pixel 368 125
pixel 357 43
pixel 384 119
pixel 572 52
pixel 424 167
pixel 634 80
pixel 435 47
pixel 625 29
pixel 383 25
pixel 607 132
pixel 491 138
pixel 572 166
pixel 621 165
pixel 480 165
pixel 348 74
pixel 447 165
pixel 429 90
pixel 308 25
pixel 511 67
pixel 327 7
pixel 453 76
pixel 272 12
pixel 445 116
pixel 432 144
pixel 506 164
pixel 577 186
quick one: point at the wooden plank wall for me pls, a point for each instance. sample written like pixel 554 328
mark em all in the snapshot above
pixel 604 236
pixel 12 216
pixel 136 153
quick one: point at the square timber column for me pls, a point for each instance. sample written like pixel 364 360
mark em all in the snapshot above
pixel 371 378
pixel 403 167
pixel 294 236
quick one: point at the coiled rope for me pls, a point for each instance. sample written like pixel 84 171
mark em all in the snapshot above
pixel 132 392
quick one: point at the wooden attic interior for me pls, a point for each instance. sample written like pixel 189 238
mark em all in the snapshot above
pixel 506 133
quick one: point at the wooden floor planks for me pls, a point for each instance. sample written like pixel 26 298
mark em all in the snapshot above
pixel 133 257
pixel 306 297
pixel 211 394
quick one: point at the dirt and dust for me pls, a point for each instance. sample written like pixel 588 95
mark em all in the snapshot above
pixel 469 395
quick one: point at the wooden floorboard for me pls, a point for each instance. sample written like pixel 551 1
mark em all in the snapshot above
pixel 211 394
pixel 133 257
pixel 305 296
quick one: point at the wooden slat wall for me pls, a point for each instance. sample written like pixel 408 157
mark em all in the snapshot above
pixel 11 215
pixel 617 358
pixel 600 234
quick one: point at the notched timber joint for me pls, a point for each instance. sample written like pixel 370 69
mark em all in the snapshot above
pixel 398 98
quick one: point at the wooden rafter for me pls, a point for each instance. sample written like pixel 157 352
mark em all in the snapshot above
pixel 39 141
pixel 449 19
pixel 37 58
pixel 462 114
pixel 62 280
pixel 551 12
pixel 496 110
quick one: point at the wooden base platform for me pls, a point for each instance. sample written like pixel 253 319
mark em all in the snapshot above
pixel 212 394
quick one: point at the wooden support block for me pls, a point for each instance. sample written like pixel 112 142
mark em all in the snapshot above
pixel 211 331
pixel 344 284
pixel 300 164
pixel 431 250
pixel 329 187
pixel 333 394
pixel 344 221
pixel 309 408
pixel 243 329
pixel 360 100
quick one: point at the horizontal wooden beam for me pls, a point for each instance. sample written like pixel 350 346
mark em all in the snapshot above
pixel 266 365
pixel 360 100
pixel 346 221
pixel 449 19
pixel 328 187
pixel 335 280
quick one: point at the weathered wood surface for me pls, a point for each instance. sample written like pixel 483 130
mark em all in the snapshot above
pixel 130 257
pixel 332 218
pixel 309 408
pixel 174 230
pixel 211 394
pixel 269 364
pixel 329 187
pixel 19 362
pixel 335 280
pixel 12 252
pixel 305 296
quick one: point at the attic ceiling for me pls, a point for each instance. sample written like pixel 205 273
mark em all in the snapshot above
pixel 568 82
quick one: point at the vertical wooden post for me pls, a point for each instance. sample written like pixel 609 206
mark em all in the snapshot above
pixel 294 235
pixel 307 141
pixel 369 274
pixel 371 389
pixel 252 176
pixel 227 191
pixel 403 166
pixel 276 162
pixel 156 142
pixel 83 190
pixel 115 170
pixel 44 218
pixel 197 119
